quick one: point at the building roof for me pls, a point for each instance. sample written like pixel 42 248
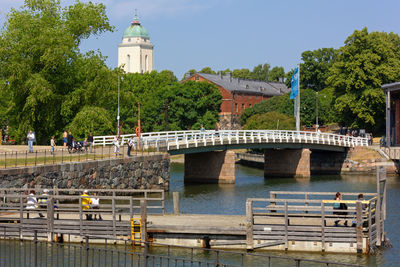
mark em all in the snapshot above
pixel 391 86
pixel 136 30
pixel 237 85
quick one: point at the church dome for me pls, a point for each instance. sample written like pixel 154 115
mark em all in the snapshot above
pixel 136 30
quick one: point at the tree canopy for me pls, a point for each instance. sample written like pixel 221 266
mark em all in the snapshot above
pixel 363 64
pixel 41 62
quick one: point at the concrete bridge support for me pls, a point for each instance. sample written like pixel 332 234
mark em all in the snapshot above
pixel 287 163
pixel 302 162
pixel 210 167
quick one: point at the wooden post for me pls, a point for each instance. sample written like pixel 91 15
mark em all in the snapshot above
pixel 163 202
pixel 323 226
pixel 114 217
pixel 369 243
pixel 306 198
pixel 176 202
pixel 50 219
pixel 21 216
pixel 249 225
pixel 80 216
pixel 272 196
pixel 131 208
pixel 359 226
pixel 378 207
pixel 143 216
pixel 286 225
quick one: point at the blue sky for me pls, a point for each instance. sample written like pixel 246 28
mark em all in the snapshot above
pixel 192 34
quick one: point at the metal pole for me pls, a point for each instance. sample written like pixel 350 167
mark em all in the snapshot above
pixel 118 108
pixel 298 104
pixel 316 112
pixel 35 262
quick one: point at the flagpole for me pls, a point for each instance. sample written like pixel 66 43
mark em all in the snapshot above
pixel 298 104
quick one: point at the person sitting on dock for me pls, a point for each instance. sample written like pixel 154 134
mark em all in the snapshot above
pixel 96 205
pixel 86 202
pixel 31 202
pixel 43 201
pixel 339 206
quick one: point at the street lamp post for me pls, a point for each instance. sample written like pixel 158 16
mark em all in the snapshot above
pixel 316 111
pixel 118 106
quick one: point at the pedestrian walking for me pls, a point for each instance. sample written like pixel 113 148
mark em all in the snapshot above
pixel 116 145
pixel 130 145
pixel 52 144
pixel 90 141
pixel 85 144
pixel 69 140
pixel 65 138
pixel 31 139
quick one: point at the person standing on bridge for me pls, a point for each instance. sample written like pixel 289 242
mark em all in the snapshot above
pixel 31 138
pixel 130 145
pixel 69 141
pixel 52 144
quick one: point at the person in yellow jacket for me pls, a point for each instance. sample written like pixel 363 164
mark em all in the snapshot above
pixel 86 202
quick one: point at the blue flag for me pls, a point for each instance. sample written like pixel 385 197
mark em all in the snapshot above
pixel 295 84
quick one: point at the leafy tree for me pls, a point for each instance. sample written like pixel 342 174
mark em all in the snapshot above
pixel 275 74
pixel 363 64
pixel 241 73
pixel 261 72
pixel 207 70
pixel 91 120
pixel 39 49
pixel 271 121
pixel 315 69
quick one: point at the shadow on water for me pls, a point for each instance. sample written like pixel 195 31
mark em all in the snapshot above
pixel 250 183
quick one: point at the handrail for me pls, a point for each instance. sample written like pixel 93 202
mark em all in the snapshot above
pixel 199 138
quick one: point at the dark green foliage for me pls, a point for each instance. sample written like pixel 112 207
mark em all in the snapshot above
pixel 315 69
pixel 364 63
pixel 270 121
pixel 91 120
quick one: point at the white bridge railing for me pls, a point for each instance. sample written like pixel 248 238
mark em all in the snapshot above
pixel 175 140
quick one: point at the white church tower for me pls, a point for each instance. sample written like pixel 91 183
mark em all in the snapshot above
pixel 135 53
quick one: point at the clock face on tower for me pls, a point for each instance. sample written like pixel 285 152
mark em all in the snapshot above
pixel 135 52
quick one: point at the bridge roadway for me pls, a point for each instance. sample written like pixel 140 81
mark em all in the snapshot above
pixel 209 159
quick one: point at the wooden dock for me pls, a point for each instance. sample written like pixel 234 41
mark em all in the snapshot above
pixel 293 221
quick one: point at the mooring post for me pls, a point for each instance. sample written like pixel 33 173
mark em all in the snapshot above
pixel 35 242
pixel 176 202
pixel 87 251
pixel 359 226
pixel 249 225
pixel 143 216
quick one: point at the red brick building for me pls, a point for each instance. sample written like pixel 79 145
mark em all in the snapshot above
pixel 238 94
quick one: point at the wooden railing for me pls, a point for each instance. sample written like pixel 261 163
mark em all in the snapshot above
pixel 276 221
pixel 63 213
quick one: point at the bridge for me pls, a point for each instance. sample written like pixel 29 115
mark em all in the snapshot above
pixel 287 153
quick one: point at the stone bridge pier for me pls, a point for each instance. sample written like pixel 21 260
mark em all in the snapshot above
pixel 302 162
pixel 210 167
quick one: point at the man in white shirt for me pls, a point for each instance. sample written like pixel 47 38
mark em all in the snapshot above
pixel 31 138
pixel 130 145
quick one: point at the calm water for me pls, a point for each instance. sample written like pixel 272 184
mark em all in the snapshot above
pixel 250 183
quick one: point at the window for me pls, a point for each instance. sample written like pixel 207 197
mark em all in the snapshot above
pixel 247 86
pixel 236 108
pixel 196 77
pixel 242 106
pixel 128 63
pixel 249 105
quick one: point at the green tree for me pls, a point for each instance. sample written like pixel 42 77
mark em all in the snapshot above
pixel 261 72
pixel 270 121
pixel 276 73
pixel 39 48
pixel 363 64
pixel 241 73
pixel 315 69
pixel 207 70
pixel 91 120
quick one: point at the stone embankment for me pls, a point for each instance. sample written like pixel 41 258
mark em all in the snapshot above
pixel 137 172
